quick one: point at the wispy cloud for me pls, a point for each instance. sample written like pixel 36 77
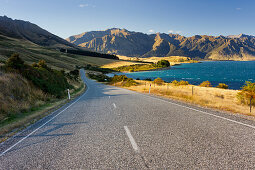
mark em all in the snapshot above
pixel 83 5
pixel 238 9
pixel 174 32
pixel 151 31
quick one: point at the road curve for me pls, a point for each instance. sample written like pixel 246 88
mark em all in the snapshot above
pixel 114 128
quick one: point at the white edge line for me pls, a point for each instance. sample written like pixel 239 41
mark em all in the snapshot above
pixel 131 139
pixel 109 97
pixel 240 123
pixel 42 125
pixel 114 105
pixel 205 113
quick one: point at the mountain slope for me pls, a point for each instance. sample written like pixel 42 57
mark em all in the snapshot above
pixel 135 44
pixel 25 30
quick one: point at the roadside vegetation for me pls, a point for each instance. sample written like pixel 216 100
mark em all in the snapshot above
pixel 30 88
pixel 143 67
pixel 219 97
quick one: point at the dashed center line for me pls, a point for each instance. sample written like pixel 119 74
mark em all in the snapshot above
pixel 131 139
pixel 114 105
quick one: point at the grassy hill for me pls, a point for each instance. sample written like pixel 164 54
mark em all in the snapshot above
pixel 31 53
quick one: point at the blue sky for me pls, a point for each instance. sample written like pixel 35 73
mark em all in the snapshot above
pixel 186 17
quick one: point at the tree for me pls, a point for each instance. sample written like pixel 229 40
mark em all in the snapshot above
pixel 158 81
pixel 15 62
pixel 247 94
pixel 163 63
pixel 206 84
pixel 222 86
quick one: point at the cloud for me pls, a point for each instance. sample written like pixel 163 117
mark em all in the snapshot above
pixel 238 9
pixel 151 31
pixel 174 32
pixel 83 5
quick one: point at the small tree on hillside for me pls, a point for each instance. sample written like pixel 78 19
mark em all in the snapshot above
pixel 163 63
pixel 206 84
pixel 158 81
pixel 247 94
pixel 222 86
pixel 14 62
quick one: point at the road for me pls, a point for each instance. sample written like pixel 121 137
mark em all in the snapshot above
pixel 113 128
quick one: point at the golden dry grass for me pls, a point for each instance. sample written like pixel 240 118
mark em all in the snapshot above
pixel 222 99
pixel 174 60
pixel 119 64
pixel 44 108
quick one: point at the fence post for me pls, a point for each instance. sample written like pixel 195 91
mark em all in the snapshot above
pixel 68 92
pixel 250 104
pixel 150 89
pixel 192 90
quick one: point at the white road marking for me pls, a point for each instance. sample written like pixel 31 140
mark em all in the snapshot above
pixel 114 105
pixel 109 97
pixel 131 139
pixel 43 124
pixel 240 123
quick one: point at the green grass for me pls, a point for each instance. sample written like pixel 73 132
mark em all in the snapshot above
pixel 31 53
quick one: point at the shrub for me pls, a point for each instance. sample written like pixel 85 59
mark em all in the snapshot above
pixel 206 84
pixel 182 82
pixel 148 79
pixel 119 78
pixel 163 63
pixel 175 82
pixel 48 80
pixel 100 77
pixel 14 62
pixel 158 81
pixel 247 94
pixel 129 82
pixel 222 86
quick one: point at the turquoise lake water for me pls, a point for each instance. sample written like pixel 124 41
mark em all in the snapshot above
pixel 232 73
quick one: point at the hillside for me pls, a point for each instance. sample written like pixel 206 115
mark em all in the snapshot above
pixel 135 44
pixel 28 31
pixel 34 43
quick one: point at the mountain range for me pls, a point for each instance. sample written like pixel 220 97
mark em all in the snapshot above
pixel 137 44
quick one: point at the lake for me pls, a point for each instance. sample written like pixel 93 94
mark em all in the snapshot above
pixel 232 73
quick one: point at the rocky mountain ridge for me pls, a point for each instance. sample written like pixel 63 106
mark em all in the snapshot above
pixel 136 44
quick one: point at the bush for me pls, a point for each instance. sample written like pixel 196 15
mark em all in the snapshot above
pixel 119 78
pixel 158 81
pixel 163 63
pixel 48 80
pixel 14 62
pixel 247 93
pixel 100 77
pixel 206 84
pixel 175 82
pixel 222 86
pixel 182 82
pixel 129 82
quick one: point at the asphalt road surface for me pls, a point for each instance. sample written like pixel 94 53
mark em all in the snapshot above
pixel 113 128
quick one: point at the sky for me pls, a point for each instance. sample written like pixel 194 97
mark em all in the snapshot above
pixel 186 17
